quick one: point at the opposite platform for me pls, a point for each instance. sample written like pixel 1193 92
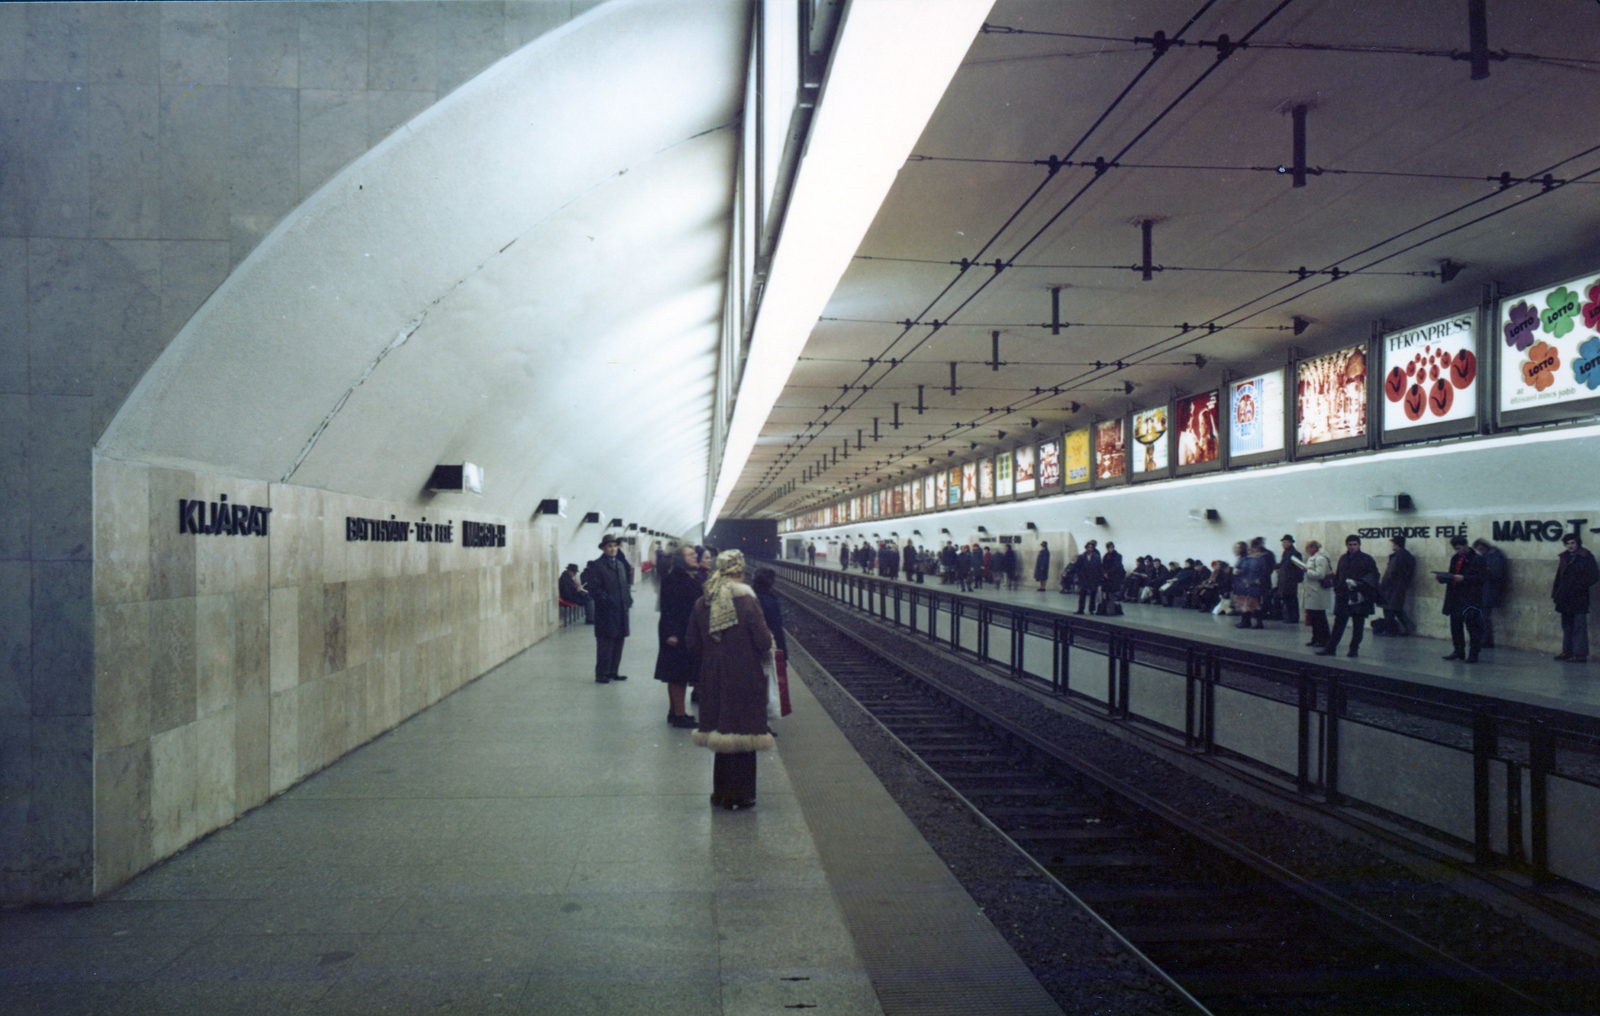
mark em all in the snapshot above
pixel 537 843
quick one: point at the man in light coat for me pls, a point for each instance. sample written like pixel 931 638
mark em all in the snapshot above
pixel 1317 598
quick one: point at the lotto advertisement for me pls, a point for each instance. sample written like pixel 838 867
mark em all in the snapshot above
pixel 1550 345
pixel 1432 374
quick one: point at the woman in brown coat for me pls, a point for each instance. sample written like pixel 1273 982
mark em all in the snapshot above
pixel 729 634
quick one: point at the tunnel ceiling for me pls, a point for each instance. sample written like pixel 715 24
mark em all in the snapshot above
pixel 1404 156
pixel 529 276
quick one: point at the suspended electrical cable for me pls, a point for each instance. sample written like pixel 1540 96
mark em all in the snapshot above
pixel 1302 272
pixel 1501 179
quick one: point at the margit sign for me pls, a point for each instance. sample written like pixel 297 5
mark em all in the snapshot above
pixel 1509 531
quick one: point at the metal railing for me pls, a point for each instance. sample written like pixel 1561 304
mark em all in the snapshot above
pixel 1514 784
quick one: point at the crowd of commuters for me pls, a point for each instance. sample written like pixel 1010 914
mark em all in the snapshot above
pixel 1328 595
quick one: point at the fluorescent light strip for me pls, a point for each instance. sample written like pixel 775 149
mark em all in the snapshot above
pixel 890 67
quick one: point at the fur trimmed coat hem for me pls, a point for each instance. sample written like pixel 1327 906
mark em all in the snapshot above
pixel 733 743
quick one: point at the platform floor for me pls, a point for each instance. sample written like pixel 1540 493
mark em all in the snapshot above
pixel 537 843
pixel 1511 674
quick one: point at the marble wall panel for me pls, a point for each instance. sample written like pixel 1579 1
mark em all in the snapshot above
pixel 195 161
pixel 13 302
pixel 214 771
pixel 194 43
pixel 360 616
pixel 297 539
pixel 312 664
pixel 471 36
pixel 229 564
pixel 15 210
pixel 334 624
pixel 284 765
pixel 57 43
pixel 61 820
pixel 121 532
pixel 16 507
pixel 284 645
pixel 123 187
pixel 173 664
pixel 252 742
pixel 387 110
pixel 353 686
pixel 89 295
pixel 63 638
pixel 333 45
pixel 333 133
pixel 16 793
pixel 173 781
pixel 172 554
pixel 264 45
pixel 60 487
pixel 122 664
pixel 16 639
pixel 215 641
pixel 123 825
pixel 403 48
pixel 252 626
pixel 57 158
pixel 13 40
pixel 125 44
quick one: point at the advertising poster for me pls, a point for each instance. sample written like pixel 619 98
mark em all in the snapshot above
pixel 1432 374
pixel 1076 450
pixel 1198 437
pixel 874 504
pixel 1331 397
pixel 953 479
pixel 1550 350
pixel 1027 478
pixel 1110 450
pixel 897 501
pixel 969 483
pixel 1255 415
pixel 941 489
pixel 986 479
pixel 1150 431
pixel 1005 481
pixel 1049 465
pixel 929 500
pixel 918 490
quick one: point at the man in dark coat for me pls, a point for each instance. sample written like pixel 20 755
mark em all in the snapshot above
pixel 1495 573
pixel 964 568
pixel 1088 575
pixel 1008 565
pixel 912 564
pixel 889 560
pixel 1396 586
pixel 1291 569
pixel 1575 573
pixel 1112 573
pixel 1355 588
pixel 609 580
pixel 1463 600
pixel 1041 565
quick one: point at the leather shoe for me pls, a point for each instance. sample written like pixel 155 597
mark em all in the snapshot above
pixel 619 677
pixel 602 680
pixel 1457 655
pixel 1579 659
pixel 1352 652
pixel 683 721
pixel 1328 651
pixel 1562 656
pixel 1473 658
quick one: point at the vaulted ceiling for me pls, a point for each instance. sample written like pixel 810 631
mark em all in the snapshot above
pixel 1423 181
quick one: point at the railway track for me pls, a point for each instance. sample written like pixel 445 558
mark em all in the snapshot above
pixel 1232 930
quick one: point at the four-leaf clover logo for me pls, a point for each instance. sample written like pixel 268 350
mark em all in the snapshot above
pixel 1539 370
pixel 1591 310
pixel 1521 322
pixel 1561 307
pixel 1587 370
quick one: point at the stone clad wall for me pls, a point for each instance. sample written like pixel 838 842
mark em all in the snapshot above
pixel 148 148
pixel 228 668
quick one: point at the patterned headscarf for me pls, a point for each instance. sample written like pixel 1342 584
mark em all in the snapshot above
pixel 719 592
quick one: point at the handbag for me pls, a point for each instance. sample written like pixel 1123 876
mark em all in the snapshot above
pixel 1327 581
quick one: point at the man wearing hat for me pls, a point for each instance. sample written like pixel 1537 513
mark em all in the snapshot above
pixel 609 580
pixel 1291 570
pixel 1463 600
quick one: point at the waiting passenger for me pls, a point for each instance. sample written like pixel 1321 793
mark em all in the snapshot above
pixel 571 590
pixel 1316 592
pixel 1463 600
pixel 1355 590
pixel 1250 576
pixel 1494 585
pixel 1575 573
pixel 1041 565
pixel 772 611
pixel 1088 575
pixel 730 636
pixel 675 665
pixel 1396 588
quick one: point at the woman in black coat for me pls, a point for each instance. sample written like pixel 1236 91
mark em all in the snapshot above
pixel 675 664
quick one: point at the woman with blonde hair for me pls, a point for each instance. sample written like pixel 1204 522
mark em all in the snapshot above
pixel 729 634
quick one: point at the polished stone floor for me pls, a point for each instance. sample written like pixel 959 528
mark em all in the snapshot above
pixel 536 843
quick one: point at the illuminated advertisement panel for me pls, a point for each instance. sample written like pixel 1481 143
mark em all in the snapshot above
pixel 1005 479
pixel 1549 342
pixel 986 479
pixel 969 483
pixel 1049 464
pixel 1110 451
pixel 1151 430
pixel 953 482
pixel 874 504
pixel 930 498
pixel 1255 418
pixel 897 501
pixel 1430 378
pixel 918 494
pixel 941 489
pixel 1027 478
pixel 1196 420
pixel 1331 400
pixel 1075 451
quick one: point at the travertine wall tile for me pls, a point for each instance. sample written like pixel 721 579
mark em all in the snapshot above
pixel 333 132
pixel 16 640
pixel 173 664
pixel 191 270
pixel 214 770
pixel 264 45
pixel 173 779
pixel 284 762
pixel 252 625
pixel 172 554
pixel 125 44
pixel 13 40
pixel 194 43
pixel 195 160
pixel 121 532
pixel 62 825
pixel 123 187
pixel 403 48
pixel 57 46
pixel 123 823
pixel 333 45
pixel 252 742
pixel 122 684
pixel 215 641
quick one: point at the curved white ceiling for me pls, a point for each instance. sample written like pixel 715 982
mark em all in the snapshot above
pixel 528 276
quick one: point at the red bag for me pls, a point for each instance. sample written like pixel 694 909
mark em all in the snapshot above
pixel 783 681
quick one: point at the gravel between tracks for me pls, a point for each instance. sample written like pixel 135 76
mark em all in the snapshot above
pixel 1094 976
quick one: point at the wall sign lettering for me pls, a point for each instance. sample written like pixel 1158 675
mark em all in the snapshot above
pixel 222 519
pixel 392 530
pixel 482 534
